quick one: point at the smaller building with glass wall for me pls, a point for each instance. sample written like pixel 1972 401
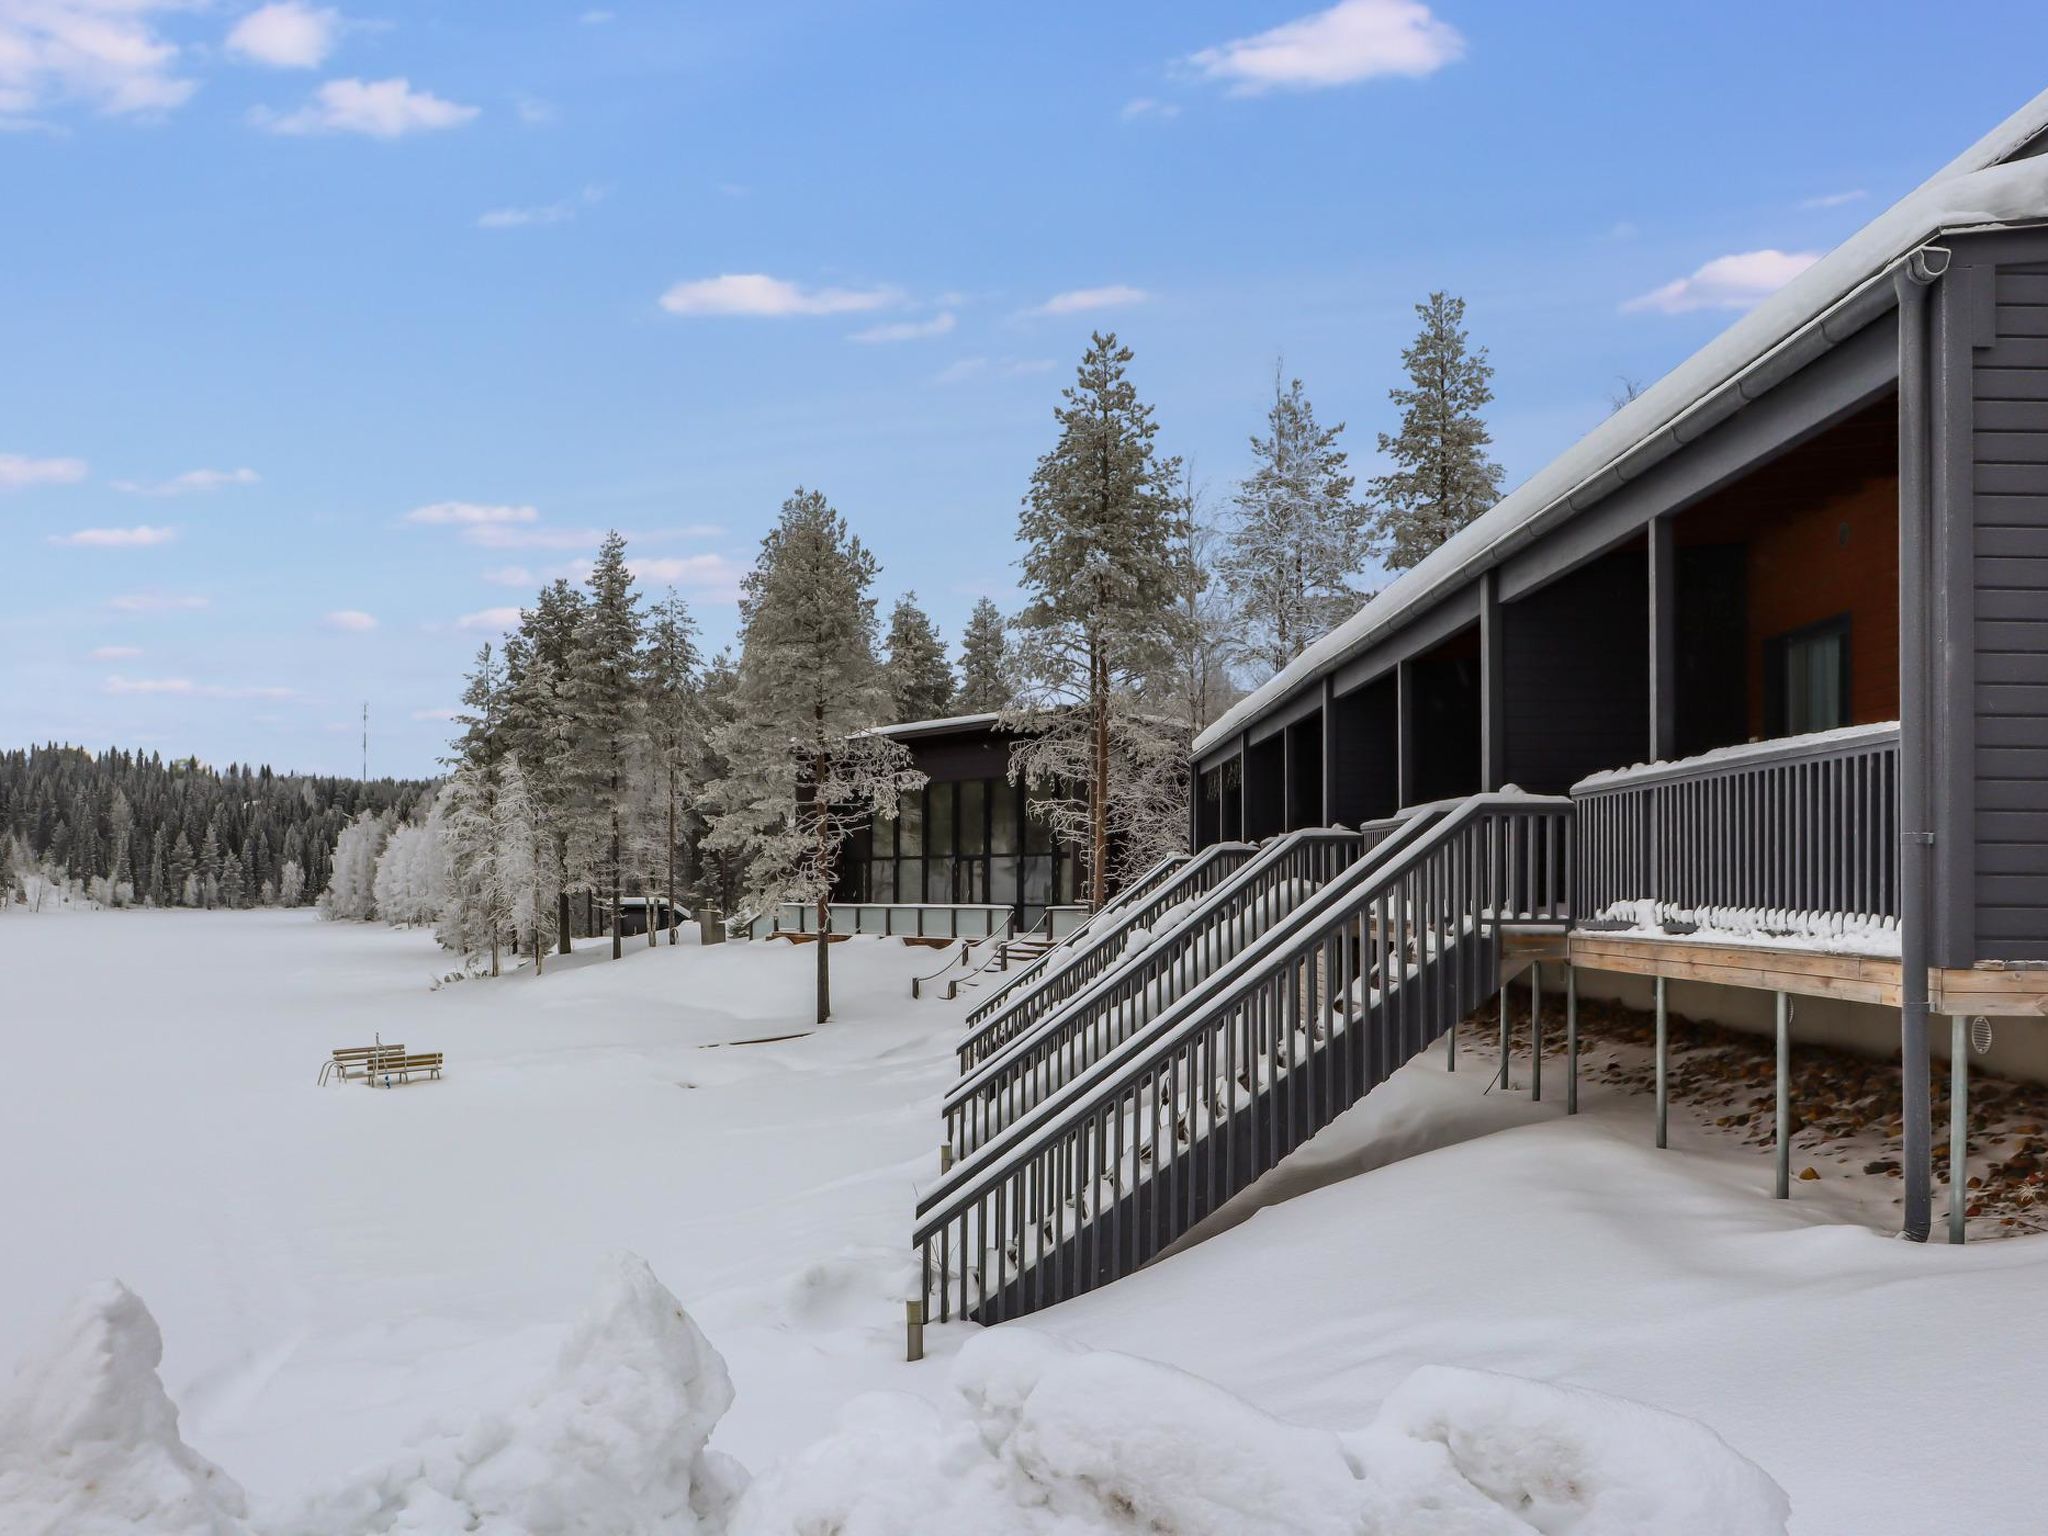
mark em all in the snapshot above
pixel 967 838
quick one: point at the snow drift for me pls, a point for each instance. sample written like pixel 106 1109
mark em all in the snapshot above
pixel 1048 1439
pixel 89 1439
pixel 1042 1438
pixel 613 1444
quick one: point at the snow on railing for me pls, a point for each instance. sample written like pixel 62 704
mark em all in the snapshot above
pixel 1804 825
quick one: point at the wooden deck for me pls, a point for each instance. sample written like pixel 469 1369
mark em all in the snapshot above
pixel 2000 991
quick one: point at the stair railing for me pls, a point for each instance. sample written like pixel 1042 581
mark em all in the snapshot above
pixel 1136 890
pixel 1118 1163
pixel 1069 1037
pixel 1062 971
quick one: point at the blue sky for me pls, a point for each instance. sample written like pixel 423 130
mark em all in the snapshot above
pixel 331 329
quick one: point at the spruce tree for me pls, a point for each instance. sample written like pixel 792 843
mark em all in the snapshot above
pixel 233 887
pixel 1101 527
pixel 541 722
pixel 986 681
pixel 1299 536
pixel 920 678
pixel 1443 479
pixel 181 869
pixel 606 693
pixel 208 868
pixel 673 726
pixel 805 769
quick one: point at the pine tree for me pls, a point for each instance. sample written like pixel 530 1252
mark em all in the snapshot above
pixel 1101 528
pixel 208 868
pixel 181 869
pixel 606 695
pixel 1299 536
pixel 987 673
pixel 234 890
pixel 721 869
pixel 526 863
pixel 1203 685
pixel 673 726
pixel 540 722
pixel 919 676
pixel 1444 479
pixel 805 767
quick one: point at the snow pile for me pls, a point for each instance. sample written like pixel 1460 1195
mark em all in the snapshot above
pixel 89 1439
pixel 612 1445
pixel 1052 1440
pixel 1831 932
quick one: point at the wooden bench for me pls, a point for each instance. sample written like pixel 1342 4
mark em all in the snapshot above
pixel 403 1067
pixel 358 1060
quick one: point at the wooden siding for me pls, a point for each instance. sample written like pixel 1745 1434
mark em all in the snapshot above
pixel 2009 767
pixel 1576 666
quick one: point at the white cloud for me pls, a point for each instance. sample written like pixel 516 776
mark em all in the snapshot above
pixel 434 714
pixel 757 294
pixel 1075 301
pixel 1834 199
pixel 286 35
pixel 713 574
pixel 158 602
pixel 471 513
pixel 1353 40
pixel 351 619
pixel 380 109
pixel 115 538
pixel 115 652
pixel 105 53
pixel 489 618
pixel 509 576
pixel 1147 106
pixel 190 481
pixel 18 470
pixel 907 330
pixel 545 213
pixel 1726 282
pixel 184 687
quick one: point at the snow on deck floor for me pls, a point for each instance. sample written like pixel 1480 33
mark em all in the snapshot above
pixel 332 1266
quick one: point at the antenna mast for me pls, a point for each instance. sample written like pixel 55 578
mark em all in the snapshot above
pixel 366 741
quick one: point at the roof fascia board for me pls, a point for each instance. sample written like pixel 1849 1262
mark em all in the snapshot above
pixel 1428 629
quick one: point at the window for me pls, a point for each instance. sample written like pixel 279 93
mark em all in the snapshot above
pixel 1806 678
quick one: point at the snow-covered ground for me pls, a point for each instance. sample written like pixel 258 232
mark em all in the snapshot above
pixel 331 1267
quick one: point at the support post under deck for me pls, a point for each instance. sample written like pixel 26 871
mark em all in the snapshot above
pixel 1663 1068
pixel 1783 1188
pixel 1571 1039
pixel 1535 1032
pixel 1504 1035
pixel 1958 1126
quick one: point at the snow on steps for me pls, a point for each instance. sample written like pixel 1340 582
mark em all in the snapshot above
pixel 1040 1438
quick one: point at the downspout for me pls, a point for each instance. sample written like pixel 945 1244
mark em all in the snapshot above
pixel 1911 279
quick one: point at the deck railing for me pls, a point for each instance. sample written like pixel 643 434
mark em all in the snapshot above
pixel 1804 825
pixel 917 920
pixel 1066 1038
pixel 1121 1161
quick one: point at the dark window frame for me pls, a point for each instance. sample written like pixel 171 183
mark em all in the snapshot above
pixel 1777 651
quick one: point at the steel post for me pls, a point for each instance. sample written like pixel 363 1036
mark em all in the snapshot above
pixel 1663 1068
pixel 1571 1040
pixel 1784 1106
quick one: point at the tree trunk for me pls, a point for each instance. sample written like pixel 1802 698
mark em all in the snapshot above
pixel 618 878
pixel 1098 809
pixel 671 915
pixel 818 814
pixel 562 922
pixel 494 949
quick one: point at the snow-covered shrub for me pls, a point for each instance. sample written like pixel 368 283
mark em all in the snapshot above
pixel 89 1442
pixel 1048 1438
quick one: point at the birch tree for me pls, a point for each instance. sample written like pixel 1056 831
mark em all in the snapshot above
pixel 805 769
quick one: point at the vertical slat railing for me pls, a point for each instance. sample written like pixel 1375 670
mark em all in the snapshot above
pixel 1800 826
pixel 1125 1158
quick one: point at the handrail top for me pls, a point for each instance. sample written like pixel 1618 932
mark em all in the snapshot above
pixel 1843 741
pixel 1135 1055
pixel 1086 943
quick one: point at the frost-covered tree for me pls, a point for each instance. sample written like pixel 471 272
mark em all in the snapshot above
pixel 674 725
pixel 1299 536
pixel 234 885
pixel 413 878
pixel 526 862
pixel 1203 686
pixel 291 884
pixel 608 702
pixel 919 676
pixel 351 888
pixel 1442 478
pixel 804 768
pixel 1101 527
pixel 480 901
pixel 987 670
pixel 721 869
pixel 181 870
pixel 540 721
pixel 208 867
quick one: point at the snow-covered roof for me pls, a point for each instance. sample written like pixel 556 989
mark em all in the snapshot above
pixel 937 727
pixel 1984 186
